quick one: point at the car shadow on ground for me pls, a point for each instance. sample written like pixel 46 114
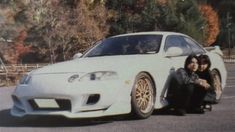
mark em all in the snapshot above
pixel 6 120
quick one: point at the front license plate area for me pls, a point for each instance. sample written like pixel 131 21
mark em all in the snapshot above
pixel 46 103
pixel 50 104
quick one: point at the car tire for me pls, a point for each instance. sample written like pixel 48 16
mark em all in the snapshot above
pixel 143 96
pixel 217 85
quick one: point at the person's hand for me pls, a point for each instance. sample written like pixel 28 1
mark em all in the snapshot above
pixel 202 80
pixel 204 83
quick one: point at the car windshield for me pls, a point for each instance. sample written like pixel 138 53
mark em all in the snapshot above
pixel 126 45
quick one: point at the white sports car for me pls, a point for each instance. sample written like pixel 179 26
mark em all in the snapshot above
pixel 121 74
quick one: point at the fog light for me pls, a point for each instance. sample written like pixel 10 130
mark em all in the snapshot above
pixel 93 99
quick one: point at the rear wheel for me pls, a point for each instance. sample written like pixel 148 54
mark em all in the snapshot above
pixel 217 85
pixel 143 96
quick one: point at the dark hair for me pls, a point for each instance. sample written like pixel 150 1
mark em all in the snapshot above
pixel 189 60
pixel 204 59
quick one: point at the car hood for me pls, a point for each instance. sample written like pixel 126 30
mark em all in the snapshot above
pixel 107 63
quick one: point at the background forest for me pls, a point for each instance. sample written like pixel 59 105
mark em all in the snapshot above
pixel 47 31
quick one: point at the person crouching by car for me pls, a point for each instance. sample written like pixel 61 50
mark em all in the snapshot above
pixel 204 73
pixel 187 90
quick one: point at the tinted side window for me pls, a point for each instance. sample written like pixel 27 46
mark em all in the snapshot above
pixel 177 41
pixel 195 47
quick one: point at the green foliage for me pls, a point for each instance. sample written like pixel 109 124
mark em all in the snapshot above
pixel 178 15
pixel 226 6
pixel 59 28
pixel 183 16
pixel 133 16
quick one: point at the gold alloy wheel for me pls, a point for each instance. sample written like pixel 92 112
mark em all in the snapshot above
pixel 144 95
pixel 217 84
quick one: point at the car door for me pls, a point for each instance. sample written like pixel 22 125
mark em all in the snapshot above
pixel 175 61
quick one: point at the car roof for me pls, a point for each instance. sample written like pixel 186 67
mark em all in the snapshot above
pixel 149 33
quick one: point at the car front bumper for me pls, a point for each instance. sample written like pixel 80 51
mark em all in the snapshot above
pixel 73 100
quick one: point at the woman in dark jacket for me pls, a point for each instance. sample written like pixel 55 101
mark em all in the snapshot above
pixel 186 91
pixel 204 73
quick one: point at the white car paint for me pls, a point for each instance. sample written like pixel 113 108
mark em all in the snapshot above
pixel 51 82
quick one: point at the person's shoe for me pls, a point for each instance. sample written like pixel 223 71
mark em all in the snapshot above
pixel 180 112
pixel 207 107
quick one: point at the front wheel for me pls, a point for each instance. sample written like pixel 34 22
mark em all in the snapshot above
pixel 217 85
pixel 143 96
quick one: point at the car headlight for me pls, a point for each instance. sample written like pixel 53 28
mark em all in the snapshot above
pixel 25 79
pixel 99 75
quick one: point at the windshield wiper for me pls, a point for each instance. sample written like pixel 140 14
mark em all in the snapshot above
pixel 102 55
pixel 150 52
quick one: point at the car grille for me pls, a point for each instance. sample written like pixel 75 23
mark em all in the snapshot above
pixel 64 105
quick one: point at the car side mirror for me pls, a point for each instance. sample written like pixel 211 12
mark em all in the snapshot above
pixel 78 55
pixel 174 51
